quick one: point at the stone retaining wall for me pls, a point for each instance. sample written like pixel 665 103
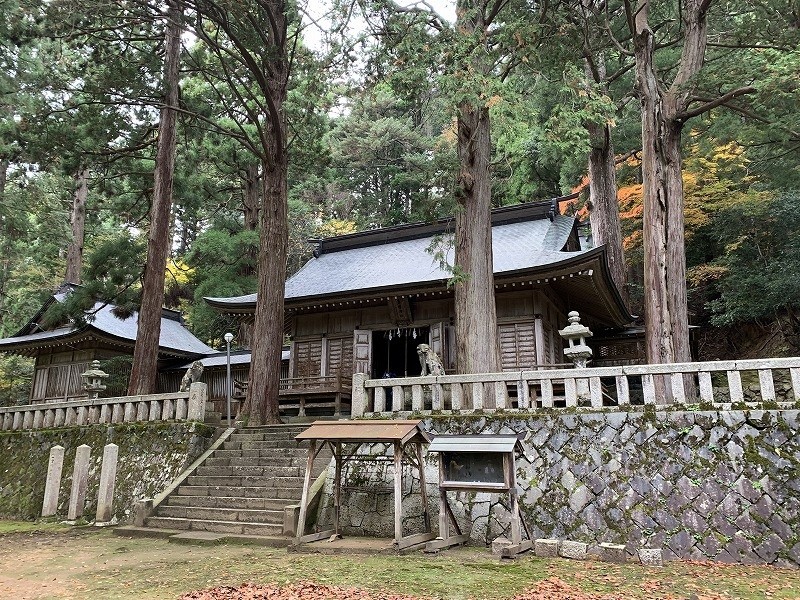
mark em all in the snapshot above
pixel 151 455
pixel 719 485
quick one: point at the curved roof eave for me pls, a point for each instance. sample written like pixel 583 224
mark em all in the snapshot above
pixel 61 338
pixel 594 259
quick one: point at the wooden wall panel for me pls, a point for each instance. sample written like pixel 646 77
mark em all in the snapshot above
pixel 515 305
pixel 427 311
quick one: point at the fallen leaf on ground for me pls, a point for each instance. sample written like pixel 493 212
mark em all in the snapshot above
pixel 302 590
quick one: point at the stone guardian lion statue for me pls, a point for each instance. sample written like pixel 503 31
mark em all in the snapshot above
pixel 429 361
pixel 192 375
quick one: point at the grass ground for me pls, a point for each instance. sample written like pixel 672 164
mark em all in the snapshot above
pixel 57 562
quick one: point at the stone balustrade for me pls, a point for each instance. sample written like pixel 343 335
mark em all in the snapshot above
pixel 178 406
pixel 718 384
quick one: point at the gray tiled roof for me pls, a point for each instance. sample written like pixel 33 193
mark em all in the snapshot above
pixel 220 360
pixel 174 336
pixel 515 246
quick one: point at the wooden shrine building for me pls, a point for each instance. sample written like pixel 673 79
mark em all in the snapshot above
pixel 65 350
pixel 366 300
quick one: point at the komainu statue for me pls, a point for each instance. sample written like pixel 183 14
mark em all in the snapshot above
pixel 429 361
pixel 192 375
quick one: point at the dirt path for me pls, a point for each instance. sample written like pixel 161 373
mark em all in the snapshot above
pixel 95 564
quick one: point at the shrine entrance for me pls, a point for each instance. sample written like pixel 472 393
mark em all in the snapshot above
pixel 394 352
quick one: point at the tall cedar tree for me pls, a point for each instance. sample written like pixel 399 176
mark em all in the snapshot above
pixel 665 110
pixel 603 207
pixel 145 353
pixel 475 309
pixel 255 38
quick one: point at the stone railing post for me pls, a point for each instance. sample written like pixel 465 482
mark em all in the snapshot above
pixel 198 394
pixel 358 401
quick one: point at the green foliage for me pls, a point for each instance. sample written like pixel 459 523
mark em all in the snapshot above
pixel 222 264
pixel 385 161
pixel 33 230
pixel 119 370
pixel 758 274
pixel 16 374
pixel 112 276
pixel 541 142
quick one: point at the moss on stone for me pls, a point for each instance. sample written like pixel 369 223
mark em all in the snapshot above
pixel 150 456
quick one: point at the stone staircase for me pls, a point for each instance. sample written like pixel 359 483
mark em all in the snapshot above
pixel 241 489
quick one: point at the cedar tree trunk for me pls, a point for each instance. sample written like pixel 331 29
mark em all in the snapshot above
pixel 6 233
pixel 250 204
pixel 603 206
pixel 78 223
pixel 666 312
pixel 261 403
pixel 475 310
pixel 145 354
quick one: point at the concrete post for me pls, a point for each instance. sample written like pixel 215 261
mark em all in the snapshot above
pixel 80 478
pixel 108 478
pixel 198 395
pixel 358 399
pixel 53 485
pixel 141 511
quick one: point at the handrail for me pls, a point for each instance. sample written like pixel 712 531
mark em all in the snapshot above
pixel 174 406
pixel 676 383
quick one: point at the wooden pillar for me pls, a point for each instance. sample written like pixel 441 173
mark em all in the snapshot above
pixel 398 492
pixel 337 488
pixel 538 332
pixel 516 529
pixel 301 525
pixel 444 527
pixel 423 488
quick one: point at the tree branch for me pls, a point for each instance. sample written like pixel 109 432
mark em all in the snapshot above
pixel 707 106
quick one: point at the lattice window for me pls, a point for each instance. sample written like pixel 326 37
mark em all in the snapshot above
pixel 307 358
pixel 340 356
pixel 517 346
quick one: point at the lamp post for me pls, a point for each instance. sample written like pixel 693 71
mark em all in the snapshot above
pixel 228 339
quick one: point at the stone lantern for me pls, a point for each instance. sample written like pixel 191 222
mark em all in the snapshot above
pixel 93 379
pixel 575 333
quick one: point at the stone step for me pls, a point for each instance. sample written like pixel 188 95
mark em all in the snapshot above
pixel 212 418
pixel 244 481
pixel 254 461
pixel 240 502
pixel 262 470
pixel 207 538
pixel 291 493
pixel 240 515
pixel 215 526
pixel 288 434
pixel 269 453
pixel 203 538
pixel 261 445
pixel 296 427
